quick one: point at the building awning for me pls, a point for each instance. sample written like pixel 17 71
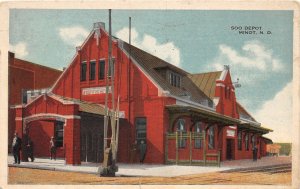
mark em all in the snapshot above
pixel 251 127
pixel 268 141
pixel 207 115
pixel 91 108
pixel 212 116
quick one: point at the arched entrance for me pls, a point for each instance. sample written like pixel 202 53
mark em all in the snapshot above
pixel 39 129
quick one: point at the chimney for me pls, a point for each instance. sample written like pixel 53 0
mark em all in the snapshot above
pixel 226 67
pixel 98 25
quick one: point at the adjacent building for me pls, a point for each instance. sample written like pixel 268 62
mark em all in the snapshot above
pixel 182 117
pixel 25 76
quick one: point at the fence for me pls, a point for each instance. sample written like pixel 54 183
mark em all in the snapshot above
pixel 207 158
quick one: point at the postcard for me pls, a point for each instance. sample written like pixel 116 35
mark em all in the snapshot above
pixel 134 94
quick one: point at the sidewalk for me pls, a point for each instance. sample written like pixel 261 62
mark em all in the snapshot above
pixel 157 170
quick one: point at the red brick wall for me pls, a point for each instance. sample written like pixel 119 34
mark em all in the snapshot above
pixel 144 100
pixel 248 154
pixel 25 75
pixel 40 133
pixel 226 105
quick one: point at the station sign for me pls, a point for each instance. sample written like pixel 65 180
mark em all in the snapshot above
pixel 95 90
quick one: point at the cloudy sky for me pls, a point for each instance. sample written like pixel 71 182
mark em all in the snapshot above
pixel 196 41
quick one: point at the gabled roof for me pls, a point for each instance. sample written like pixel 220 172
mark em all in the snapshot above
pixel 206 82
pixel 84 106
pixel 151 63
pixel 243 112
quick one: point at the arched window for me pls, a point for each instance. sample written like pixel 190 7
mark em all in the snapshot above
pixel 211 137
pixel 227 92
pixel 247 141
pixel 253 141
pixel 181 131
pixel 240 140
pixel 198 131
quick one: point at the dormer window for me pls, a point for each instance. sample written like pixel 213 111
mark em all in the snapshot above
pixel 174 79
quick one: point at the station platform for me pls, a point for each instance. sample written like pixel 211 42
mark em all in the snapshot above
pixel 154 170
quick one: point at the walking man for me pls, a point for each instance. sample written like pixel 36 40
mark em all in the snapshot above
pixel 52 149
pixel 16 148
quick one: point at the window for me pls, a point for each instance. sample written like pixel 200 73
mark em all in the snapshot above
pixel 92 70
pixel 141 129
pixel 239 140
pixel 101 70
pixel 247 141
pixel 24 96
pixel 83 71
pixel 253 141
pixel 181 131
pixel 59 133
pixel 175 79
pixel 227 92
pixel 198 132
pixel 211 138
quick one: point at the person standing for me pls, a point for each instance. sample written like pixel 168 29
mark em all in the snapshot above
pixel 143 148
pixel 52 149
pixel 30 149
pixel 254 153
pixel 133 150
pixel 16 148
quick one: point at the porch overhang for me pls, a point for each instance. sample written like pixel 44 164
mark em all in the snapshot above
pixel 92 108
pixel 253 128
pixel 268 141
pixel 207 115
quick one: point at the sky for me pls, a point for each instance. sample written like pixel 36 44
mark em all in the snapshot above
pixel 194 40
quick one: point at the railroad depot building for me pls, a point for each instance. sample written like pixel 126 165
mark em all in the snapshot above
pixel 182 117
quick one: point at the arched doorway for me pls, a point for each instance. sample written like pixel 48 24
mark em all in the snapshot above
pixel 39 129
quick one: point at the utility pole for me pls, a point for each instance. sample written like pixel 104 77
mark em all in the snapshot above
pixel 109 167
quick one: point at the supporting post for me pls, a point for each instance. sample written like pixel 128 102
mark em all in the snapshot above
pixel 176 147
pixel 204 147
pixel 219 159
pixel 191 148
pixel 166 148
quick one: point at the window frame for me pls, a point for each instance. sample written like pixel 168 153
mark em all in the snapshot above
pixel 174 79
pixel 253 140
pixel 101 70
pixel 92 72
pixel 137 138
pixel 240 139
pixel 211 137
pixel 83 74
pixel 198 143
pixel 247 141
pixel 181 130
pixel 59 140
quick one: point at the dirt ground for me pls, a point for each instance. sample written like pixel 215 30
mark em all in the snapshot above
pixel 35 176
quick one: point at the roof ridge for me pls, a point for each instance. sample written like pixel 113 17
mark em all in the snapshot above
pixel 205 73
pixel 239 104
pixel 46 67
pixel 167 63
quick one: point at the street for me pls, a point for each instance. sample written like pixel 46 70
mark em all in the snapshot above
pixel 36 176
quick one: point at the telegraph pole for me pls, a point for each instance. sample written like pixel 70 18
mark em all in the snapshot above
pixel 109 167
